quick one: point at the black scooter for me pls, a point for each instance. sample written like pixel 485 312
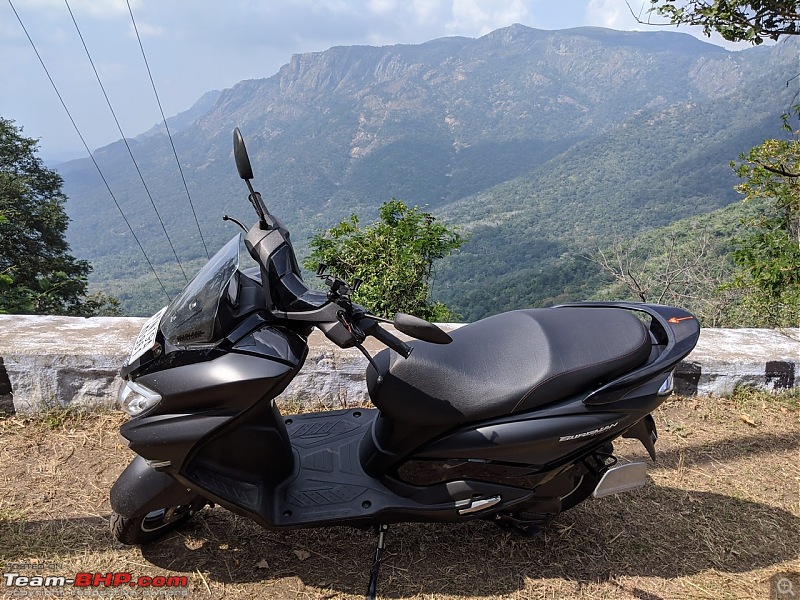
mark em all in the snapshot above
pixel 509 419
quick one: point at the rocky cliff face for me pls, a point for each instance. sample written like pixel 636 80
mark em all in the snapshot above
pixel 515 83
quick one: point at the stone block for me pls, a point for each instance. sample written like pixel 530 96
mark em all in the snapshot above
pixel 53 362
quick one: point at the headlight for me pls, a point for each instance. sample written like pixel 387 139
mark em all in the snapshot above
pixel 135 399
pixel 668 386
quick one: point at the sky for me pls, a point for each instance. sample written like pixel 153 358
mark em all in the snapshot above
pixel 193 46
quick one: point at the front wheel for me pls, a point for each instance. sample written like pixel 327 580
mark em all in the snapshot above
pixel 147 528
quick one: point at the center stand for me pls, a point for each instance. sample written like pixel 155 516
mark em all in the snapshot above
pixel 376 565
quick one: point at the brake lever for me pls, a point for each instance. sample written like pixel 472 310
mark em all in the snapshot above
pixel 359 336
pixel 371 362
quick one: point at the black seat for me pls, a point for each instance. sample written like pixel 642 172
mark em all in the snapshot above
pixel 508 363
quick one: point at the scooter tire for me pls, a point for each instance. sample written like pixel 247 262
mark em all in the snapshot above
pixel 144 529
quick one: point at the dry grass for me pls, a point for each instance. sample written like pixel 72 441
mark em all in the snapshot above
pixel 721 515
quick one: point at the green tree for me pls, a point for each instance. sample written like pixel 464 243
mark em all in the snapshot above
pixel 393 257
pixel 769 256
pixel 37 275
pixel 735 20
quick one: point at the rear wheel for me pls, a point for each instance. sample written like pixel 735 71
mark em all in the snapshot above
pixel 147 528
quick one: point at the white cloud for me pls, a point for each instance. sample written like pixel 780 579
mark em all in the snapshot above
pixel 425 11
pixel 111 70
pixel 381 7
pixel 98 9
pixel 197 45
pixel 479 17
pixel 146 30
pixel 327 6
pixel 614 14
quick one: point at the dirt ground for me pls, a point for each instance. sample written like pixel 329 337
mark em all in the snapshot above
pixel 719 518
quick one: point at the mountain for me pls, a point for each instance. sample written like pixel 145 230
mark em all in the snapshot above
pixel 183 119
pixel 538 144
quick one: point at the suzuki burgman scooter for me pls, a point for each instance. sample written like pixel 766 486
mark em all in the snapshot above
pixel 510 419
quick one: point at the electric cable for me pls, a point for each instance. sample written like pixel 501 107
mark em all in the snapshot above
pixel 91 156
pixel 166 126
pixel 124 139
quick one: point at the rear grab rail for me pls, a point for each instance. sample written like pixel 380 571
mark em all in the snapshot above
pixel 677 329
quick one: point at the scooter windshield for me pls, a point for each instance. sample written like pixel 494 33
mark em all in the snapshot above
pixel 190 317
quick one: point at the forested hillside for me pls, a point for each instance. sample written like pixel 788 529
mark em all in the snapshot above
pixel 653 170
pixel 539 144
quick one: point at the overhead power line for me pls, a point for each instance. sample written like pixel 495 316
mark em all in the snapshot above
pixel 166 126
pixel 88 151
pixel 125 140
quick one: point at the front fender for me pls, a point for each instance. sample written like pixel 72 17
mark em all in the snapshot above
pixel 141 489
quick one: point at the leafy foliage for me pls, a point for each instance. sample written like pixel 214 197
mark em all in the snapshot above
pixel 37 275
pixel 769 256
pixel 528 237
pixel 735 20
pixel 393 257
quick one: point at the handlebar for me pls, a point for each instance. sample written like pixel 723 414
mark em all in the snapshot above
pixel 371 327
pixel 391 341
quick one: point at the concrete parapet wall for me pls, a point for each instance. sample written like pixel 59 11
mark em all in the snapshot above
pixel 54 362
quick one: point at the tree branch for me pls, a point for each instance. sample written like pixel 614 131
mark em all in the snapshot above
pixel 779 170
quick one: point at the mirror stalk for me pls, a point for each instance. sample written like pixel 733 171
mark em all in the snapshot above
pixel 237 221
pixel 246 172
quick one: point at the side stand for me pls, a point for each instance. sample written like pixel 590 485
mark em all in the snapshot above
pixel 376 565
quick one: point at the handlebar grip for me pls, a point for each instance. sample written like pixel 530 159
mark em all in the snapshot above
pixel 386 338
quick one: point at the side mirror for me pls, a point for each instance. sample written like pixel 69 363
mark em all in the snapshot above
pixel 241 157
pixel 420 329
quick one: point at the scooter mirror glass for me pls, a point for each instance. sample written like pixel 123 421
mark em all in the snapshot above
pixel 240 154
pixel 420 329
